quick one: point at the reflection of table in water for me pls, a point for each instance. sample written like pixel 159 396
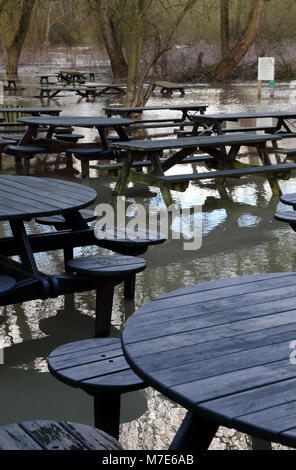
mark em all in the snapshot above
pixel 221 349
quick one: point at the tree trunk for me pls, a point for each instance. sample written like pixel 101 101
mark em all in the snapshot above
pixel 48 26
pixel 114 49
pixel 135 49
pixel 15 47
pixel 236 54
pixel 224 27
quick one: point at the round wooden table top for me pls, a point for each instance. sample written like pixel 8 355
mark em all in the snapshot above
pixel 27 197
pixel 225 350
pixel 78 121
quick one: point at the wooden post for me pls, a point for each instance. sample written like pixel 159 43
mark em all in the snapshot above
pixel 259 89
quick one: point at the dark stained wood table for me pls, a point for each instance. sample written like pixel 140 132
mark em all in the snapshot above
pixel 222 350
pixel 212 145
pixel 213 122
pixel 125 112
pixel 100 123
pixel 23 198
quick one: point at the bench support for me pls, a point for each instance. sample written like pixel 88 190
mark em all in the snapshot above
pixel 107 412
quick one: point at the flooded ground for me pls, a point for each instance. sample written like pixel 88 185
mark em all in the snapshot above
pixel 239 237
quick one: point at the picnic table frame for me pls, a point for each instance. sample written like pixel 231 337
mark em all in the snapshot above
pixel 51 122
pixel 214 146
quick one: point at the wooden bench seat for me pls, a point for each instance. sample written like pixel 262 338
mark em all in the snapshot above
pixel 148 163
pixel 87 154
pixel 108 271
pixel 228 173
pixel 98 367
pixel 286 151
pixel 3 144
pixel 286 216
pixel 25 152
pixel 69 137
pixel 53 435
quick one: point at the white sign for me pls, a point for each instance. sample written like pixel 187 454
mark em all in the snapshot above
pixel 266 68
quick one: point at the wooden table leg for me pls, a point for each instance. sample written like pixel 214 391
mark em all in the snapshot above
pixel 260 444
pixel 194 434
pixel 265 159
pixel 124 173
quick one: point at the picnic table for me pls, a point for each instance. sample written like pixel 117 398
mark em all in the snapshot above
pixel 74 76
pixel 86 90
pixel 214 146
pixel 23 198
pixel 100 123
pixel 221 349
pixel 48 144
pixel 125 112
pixel 212 123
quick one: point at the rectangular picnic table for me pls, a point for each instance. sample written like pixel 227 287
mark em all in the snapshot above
pixel 212 123
pixel 86 90
pixel 186 110
pixel 215 146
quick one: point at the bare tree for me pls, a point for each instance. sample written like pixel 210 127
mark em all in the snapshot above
pixel 15 20
pixel 236 54
pixel 224 26
pixel 136 94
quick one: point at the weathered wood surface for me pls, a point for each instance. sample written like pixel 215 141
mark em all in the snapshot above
pixel 107 266
pixel 222 350
pixel 52 435
pixel 94 365
pixel 25 197
pixel 98 367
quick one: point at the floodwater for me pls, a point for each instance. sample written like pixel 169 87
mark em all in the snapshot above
pixel 239 237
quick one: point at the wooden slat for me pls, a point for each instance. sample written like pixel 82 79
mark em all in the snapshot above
pixel 228 173
pixel 13 437
pixel 51 435
pixel 25 197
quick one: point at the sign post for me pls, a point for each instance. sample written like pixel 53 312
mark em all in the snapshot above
pixel 266 72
